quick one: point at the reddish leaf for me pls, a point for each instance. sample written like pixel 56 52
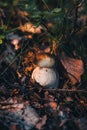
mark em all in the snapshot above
pixel 74 68
pixel 53 105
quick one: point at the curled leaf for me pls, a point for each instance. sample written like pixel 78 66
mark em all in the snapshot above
pixel 74 68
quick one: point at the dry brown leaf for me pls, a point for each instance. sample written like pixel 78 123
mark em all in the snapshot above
pixel 28 58
pixel 29 27
pixel 28 62
pixel 49 25
pixel 53 105
pixel 19 74
pixel 29 36
pixel 28 69
pixel 68 99
pixel 74 67
pixel 22 13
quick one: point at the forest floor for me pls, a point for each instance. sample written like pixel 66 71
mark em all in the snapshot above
pixel 25 104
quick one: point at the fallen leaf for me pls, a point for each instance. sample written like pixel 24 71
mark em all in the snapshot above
pixel 69 99
pixel 28 69
pixel 41 123
pixel 22 13
pixel 74 68
pixel 53 105
pixel 29 27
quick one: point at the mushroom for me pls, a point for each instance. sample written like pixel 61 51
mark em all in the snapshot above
pixel 45 60
pixel 45 73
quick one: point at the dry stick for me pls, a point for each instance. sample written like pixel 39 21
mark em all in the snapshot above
pixel 67 90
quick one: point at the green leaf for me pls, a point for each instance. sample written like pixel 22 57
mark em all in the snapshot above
pixel 56 10
pixel 1 41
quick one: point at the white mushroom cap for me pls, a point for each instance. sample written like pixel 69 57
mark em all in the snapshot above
pixel 46 77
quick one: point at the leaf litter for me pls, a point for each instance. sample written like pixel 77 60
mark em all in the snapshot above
pixel 26 105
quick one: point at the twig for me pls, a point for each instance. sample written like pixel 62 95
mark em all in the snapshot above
pixel 67 90
pixel 6 103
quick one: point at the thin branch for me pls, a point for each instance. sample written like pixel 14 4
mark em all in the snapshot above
pixel 67 90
